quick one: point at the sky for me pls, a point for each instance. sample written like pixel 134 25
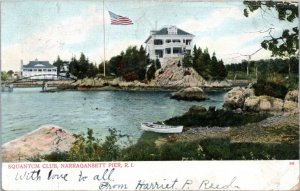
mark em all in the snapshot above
pixel 43 29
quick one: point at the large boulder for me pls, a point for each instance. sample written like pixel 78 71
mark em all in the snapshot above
pixel 290 107
pixel 292 96
pixel 263 103
pixel 251 103
pixel 43 141
pixel 190 94
pixel 115 82
pixel 236 97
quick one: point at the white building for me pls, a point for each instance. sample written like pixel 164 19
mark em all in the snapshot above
pixel 168 42
pixel 64 69
pixel 39 70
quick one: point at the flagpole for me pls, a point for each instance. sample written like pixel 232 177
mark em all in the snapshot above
pixel 103 40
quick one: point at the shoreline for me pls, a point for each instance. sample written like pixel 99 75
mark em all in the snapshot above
pixel 272 130
pixel 99 84
pixel 59 88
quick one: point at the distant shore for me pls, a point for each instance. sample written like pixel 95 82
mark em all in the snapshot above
pixel 111 85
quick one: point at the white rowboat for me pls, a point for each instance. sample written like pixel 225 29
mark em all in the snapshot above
pixel 160 128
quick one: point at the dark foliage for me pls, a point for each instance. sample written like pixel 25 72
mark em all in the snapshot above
pixel 58 63
pixel 286 44
pixel 263 87
pixel 206 66
pixel 155 65
pixel 219 118
pixel 267 67
pixel 130 65
pixel 82 68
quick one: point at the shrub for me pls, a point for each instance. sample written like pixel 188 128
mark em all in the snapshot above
pixel 216 149
pixel 56 156
pixel 219 118
pixel 90 149
pixel 141 151
pixel 293 82
pixel 263 151
pixel 270 88
pixel 181 151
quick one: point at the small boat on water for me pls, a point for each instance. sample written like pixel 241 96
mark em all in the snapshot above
pixel 160 128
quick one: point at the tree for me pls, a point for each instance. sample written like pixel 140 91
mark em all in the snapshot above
pixel 221 70
pixel 59 64
pixel 151 72
pixel 214 66
pixel 82 68
pixel 130 65
pixel 157 64
pixel 187 60
pixel 286 44
pixel 4 76
pixel 10 73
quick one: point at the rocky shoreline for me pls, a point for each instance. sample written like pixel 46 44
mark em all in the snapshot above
pixel 42 141
pixel 244 99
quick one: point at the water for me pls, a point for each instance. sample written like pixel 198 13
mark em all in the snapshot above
pixel 25 109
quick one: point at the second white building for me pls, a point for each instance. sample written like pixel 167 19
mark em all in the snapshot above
pixel 39 70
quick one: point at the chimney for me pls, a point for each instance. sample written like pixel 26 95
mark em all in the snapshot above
pixel 21 64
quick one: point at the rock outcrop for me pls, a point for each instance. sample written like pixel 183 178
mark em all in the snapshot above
pixel 290 106
pixel 292 96
pixel 190 94
pixel 44 140
pixel 132 84
pixel 291 102
pixel 263 103
pixel 236 97
pixel 216 84
pixel 90 82
pixel 174 75
pixel 244 98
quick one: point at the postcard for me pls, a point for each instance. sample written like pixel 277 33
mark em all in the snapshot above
pixel 149 95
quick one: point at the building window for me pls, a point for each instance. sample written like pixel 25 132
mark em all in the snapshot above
pixel 34 70
pixel 24 70
pixel 168 40
pixel 188 41
pixel 168 50
pixel 159 53
pixel 40 70
pixel 183 40
pixel 176 41
pixel 30 70
pixel 54 70
pixel 158 42
pixel 49 70
pixel 45 70
pixel 177 50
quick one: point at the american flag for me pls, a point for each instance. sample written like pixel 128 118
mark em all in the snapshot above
pixel 119 20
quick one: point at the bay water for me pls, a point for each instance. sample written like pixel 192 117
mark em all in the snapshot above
pixel 25 109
